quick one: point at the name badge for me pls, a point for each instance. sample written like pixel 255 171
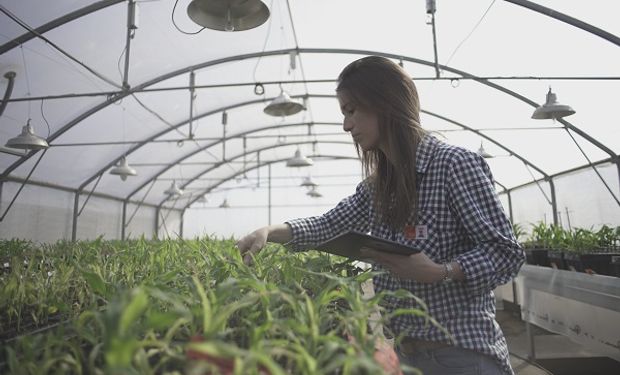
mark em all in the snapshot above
pixel 417 232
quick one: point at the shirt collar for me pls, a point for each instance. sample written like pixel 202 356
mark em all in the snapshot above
pixel 425 153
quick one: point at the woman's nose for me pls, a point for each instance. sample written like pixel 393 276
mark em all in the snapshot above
pixel 347 125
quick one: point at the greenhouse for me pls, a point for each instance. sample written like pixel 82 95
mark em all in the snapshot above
pixel 141 139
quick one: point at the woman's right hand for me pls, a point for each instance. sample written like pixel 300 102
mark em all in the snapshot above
pixel 252 243
pixel 255 241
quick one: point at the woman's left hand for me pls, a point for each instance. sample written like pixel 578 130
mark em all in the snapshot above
pixel 418 267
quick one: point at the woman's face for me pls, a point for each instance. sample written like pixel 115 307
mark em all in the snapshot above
pixel 360 122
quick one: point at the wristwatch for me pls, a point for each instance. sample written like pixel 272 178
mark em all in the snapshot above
pixel 448 275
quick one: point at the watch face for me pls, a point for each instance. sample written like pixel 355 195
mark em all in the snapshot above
pixel 448 276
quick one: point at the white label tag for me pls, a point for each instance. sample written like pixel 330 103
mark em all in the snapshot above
pixel 421 232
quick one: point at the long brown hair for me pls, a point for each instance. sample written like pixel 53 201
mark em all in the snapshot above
pixel 383 87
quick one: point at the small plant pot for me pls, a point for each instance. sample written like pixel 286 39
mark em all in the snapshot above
pixel 615 265
pixel 573 261
pixel 537 257
pixel 601 263
pixel 556 259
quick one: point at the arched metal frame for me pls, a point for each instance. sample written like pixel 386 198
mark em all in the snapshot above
pixel 240 155
pixel 300 51
pixel 105 3
pixel 241 134
pixel 268 163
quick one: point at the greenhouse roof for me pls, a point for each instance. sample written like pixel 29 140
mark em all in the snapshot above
pixel 184 104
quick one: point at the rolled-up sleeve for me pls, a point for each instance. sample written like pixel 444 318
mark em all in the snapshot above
pixel 351 213
pixel 496 255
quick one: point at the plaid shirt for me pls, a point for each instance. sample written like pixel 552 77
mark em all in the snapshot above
pixel 460 219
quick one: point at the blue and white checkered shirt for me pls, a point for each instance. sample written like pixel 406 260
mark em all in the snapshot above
pixel 462 220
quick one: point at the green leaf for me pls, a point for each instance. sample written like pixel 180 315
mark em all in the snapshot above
pixel 95 282
pixel 132 312
pixel 160 320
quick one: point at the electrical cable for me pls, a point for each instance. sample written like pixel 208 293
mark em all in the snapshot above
pixel 537 183
pixel 264 44
pixel 447 63
pixel 21 49
pixel 44 151
pixel 593 167
pixel 175 24
pixel 301 65
pixel 22 185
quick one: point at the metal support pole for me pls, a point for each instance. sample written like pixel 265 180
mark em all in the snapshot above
pixel 10 76
pixel 181 228
pixel 435 44
pixel 618 166
pixel 157 210
pixel 258 169
pixel 554 203
pixel 123 220
pixel 531 355
pixel 269 194
pixel 192 97
pixel 510 206
pixel 131 16
pixel 76 208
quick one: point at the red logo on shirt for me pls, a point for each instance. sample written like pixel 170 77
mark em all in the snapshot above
pixel 410 232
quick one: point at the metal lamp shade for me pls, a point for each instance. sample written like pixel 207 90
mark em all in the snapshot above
pixel 482 152
pixel 123 169
pixel 27 140
pixel 313 193
pixel 552 109
pixel 283 105
pixel 173 190
pixel 228 15
pixel 299 160
pixel 307 182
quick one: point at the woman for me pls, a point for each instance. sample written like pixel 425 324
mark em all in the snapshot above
pixel 429 195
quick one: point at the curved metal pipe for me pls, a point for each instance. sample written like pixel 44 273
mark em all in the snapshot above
pixel 163 77
pixel 57 22
pixel 567 19
pixel 9 90
pixel 259 165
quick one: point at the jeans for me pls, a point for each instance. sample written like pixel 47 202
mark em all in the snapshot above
pixel 449 361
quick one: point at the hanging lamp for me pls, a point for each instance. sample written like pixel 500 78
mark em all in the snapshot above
pixel 173 190
pixel 314 193
pixel 308 182
pixel 224 204
pixel 482 152
pixel 27 140
pixel 283 105
pixel 298 160
pixel 228 15
pixel 552 109
pixel 123 169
